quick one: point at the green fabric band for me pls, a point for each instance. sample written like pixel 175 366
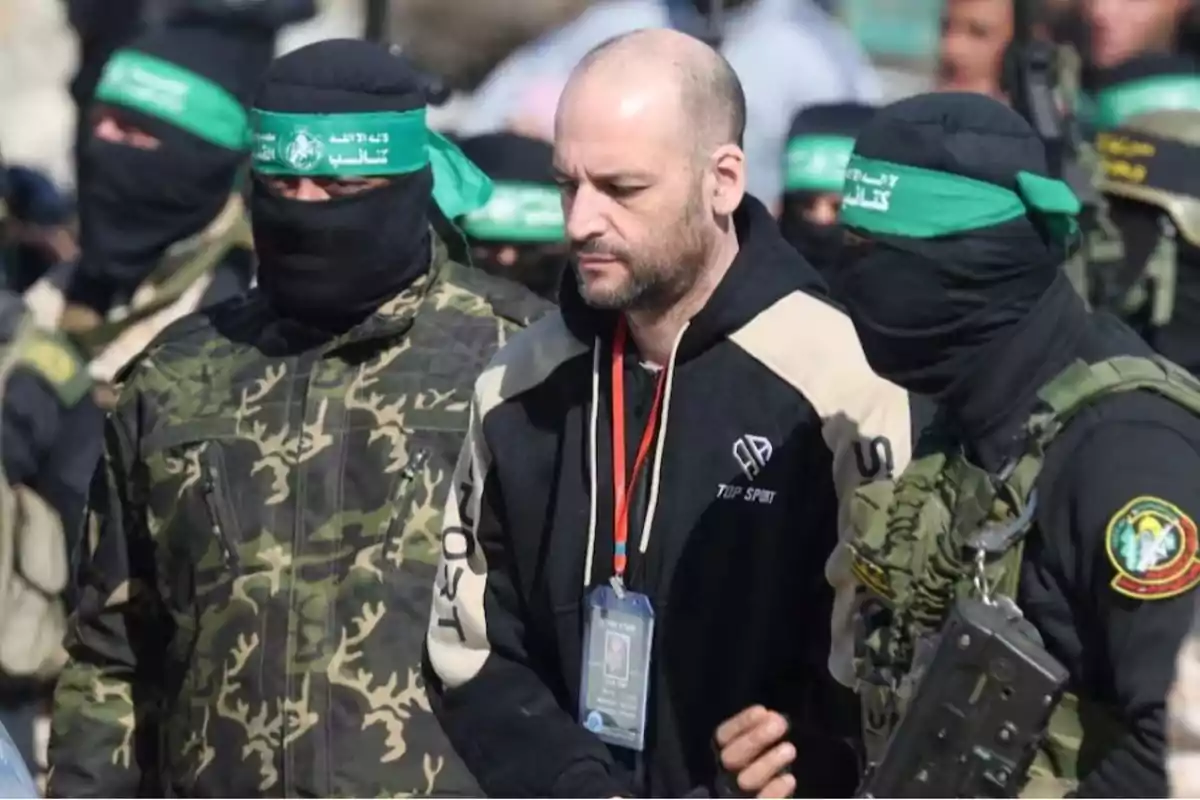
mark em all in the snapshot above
pixel 817 163
pixel 518 212
pixel 900 200
pixel 379 144
pixel 175 95
pixel 1163 93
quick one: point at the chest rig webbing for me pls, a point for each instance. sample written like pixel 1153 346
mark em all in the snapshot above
pixel 947 529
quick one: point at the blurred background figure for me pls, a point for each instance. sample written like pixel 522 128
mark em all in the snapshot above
pixel 35 227
pixel 1144 83
pixel 1151 180
pixel 974 36
pixel 819 145
pixel 162 226
pixel 519 233
pixel 103 26
pixel 1118 30
pixel 789 54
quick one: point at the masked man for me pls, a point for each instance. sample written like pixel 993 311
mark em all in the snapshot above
pixel 519 233
pixel 1068 459
pixel 162 230
pixel 819 146
pixel 268 513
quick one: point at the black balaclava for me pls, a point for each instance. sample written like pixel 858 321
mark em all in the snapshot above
pixel 331 264
pixel 135 203
pixel 813 139
pixel 513 160
pixel 926 309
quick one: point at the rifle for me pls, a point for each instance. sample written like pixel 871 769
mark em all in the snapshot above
pixel 1033 73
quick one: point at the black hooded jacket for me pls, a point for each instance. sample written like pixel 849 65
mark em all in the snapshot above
pixel 770 416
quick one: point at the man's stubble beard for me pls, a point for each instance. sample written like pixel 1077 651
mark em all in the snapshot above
pixel 659 279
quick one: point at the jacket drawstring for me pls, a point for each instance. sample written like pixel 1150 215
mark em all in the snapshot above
pixel 594 459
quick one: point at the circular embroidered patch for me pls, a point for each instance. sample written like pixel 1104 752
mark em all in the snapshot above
pixel 1153 545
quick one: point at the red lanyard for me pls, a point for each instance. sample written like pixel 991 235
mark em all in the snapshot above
pixel 621 489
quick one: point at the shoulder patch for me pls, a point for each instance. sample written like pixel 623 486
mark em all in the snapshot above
pixel 870 575
pixel 58 364
pixel 1153 546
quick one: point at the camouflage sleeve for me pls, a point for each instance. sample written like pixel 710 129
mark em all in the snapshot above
pixel 103 738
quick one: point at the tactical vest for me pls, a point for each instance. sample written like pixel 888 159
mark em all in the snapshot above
pixel 946 529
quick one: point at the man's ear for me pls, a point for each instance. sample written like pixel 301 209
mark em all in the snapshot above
pixel 729 184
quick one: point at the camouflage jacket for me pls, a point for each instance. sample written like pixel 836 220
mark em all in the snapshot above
pixel 264 532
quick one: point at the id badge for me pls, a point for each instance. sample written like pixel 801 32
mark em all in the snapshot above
pixel 615 685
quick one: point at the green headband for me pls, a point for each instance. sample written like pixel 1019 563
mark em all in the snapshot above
pixel 1162 93
pixel 175 95
pixel 817 163
pixel 518 212
pixel 899 200
pixel 383 143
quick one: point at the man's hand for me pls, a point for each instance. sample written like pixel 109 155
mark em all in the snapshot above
pixel 752 748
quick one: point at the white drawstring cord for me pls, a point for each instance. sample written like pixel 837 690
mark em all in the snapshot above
pixel 658 446
pixel 593 459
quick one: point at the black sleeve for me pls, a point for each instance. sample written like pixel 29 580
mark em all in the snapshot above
pixel 32 417
pixel 485 687
pixel 67 468
pixel 1132 566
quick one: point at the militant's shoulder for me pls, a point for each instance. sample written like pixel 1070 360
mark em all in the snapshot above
pixel 1125 448
pixel 188 343
pixel 476 293
pixel 528 360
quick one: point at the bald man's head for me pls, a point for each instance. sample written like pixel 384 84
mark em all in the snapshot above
pixel 648 148
pixel 710 102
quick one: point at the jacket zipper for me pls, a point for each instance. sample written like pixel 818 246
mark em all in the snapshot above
pixel 407 492
pixel 214 498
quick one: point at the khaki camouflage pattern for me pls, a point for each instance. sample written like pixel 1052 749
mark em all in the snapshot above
pixel 265 535
pixel 912 555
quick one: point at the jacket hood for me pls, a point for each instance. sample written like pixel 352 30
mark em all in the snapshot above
pixel 765 270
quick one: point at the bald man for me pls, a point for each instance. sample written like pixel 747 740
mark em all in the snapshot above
pixel 661 464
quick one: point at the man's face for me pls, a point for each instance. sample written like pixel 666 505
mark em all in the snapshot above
pixel 637 220
pixel 1121 29
pixel 971 53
